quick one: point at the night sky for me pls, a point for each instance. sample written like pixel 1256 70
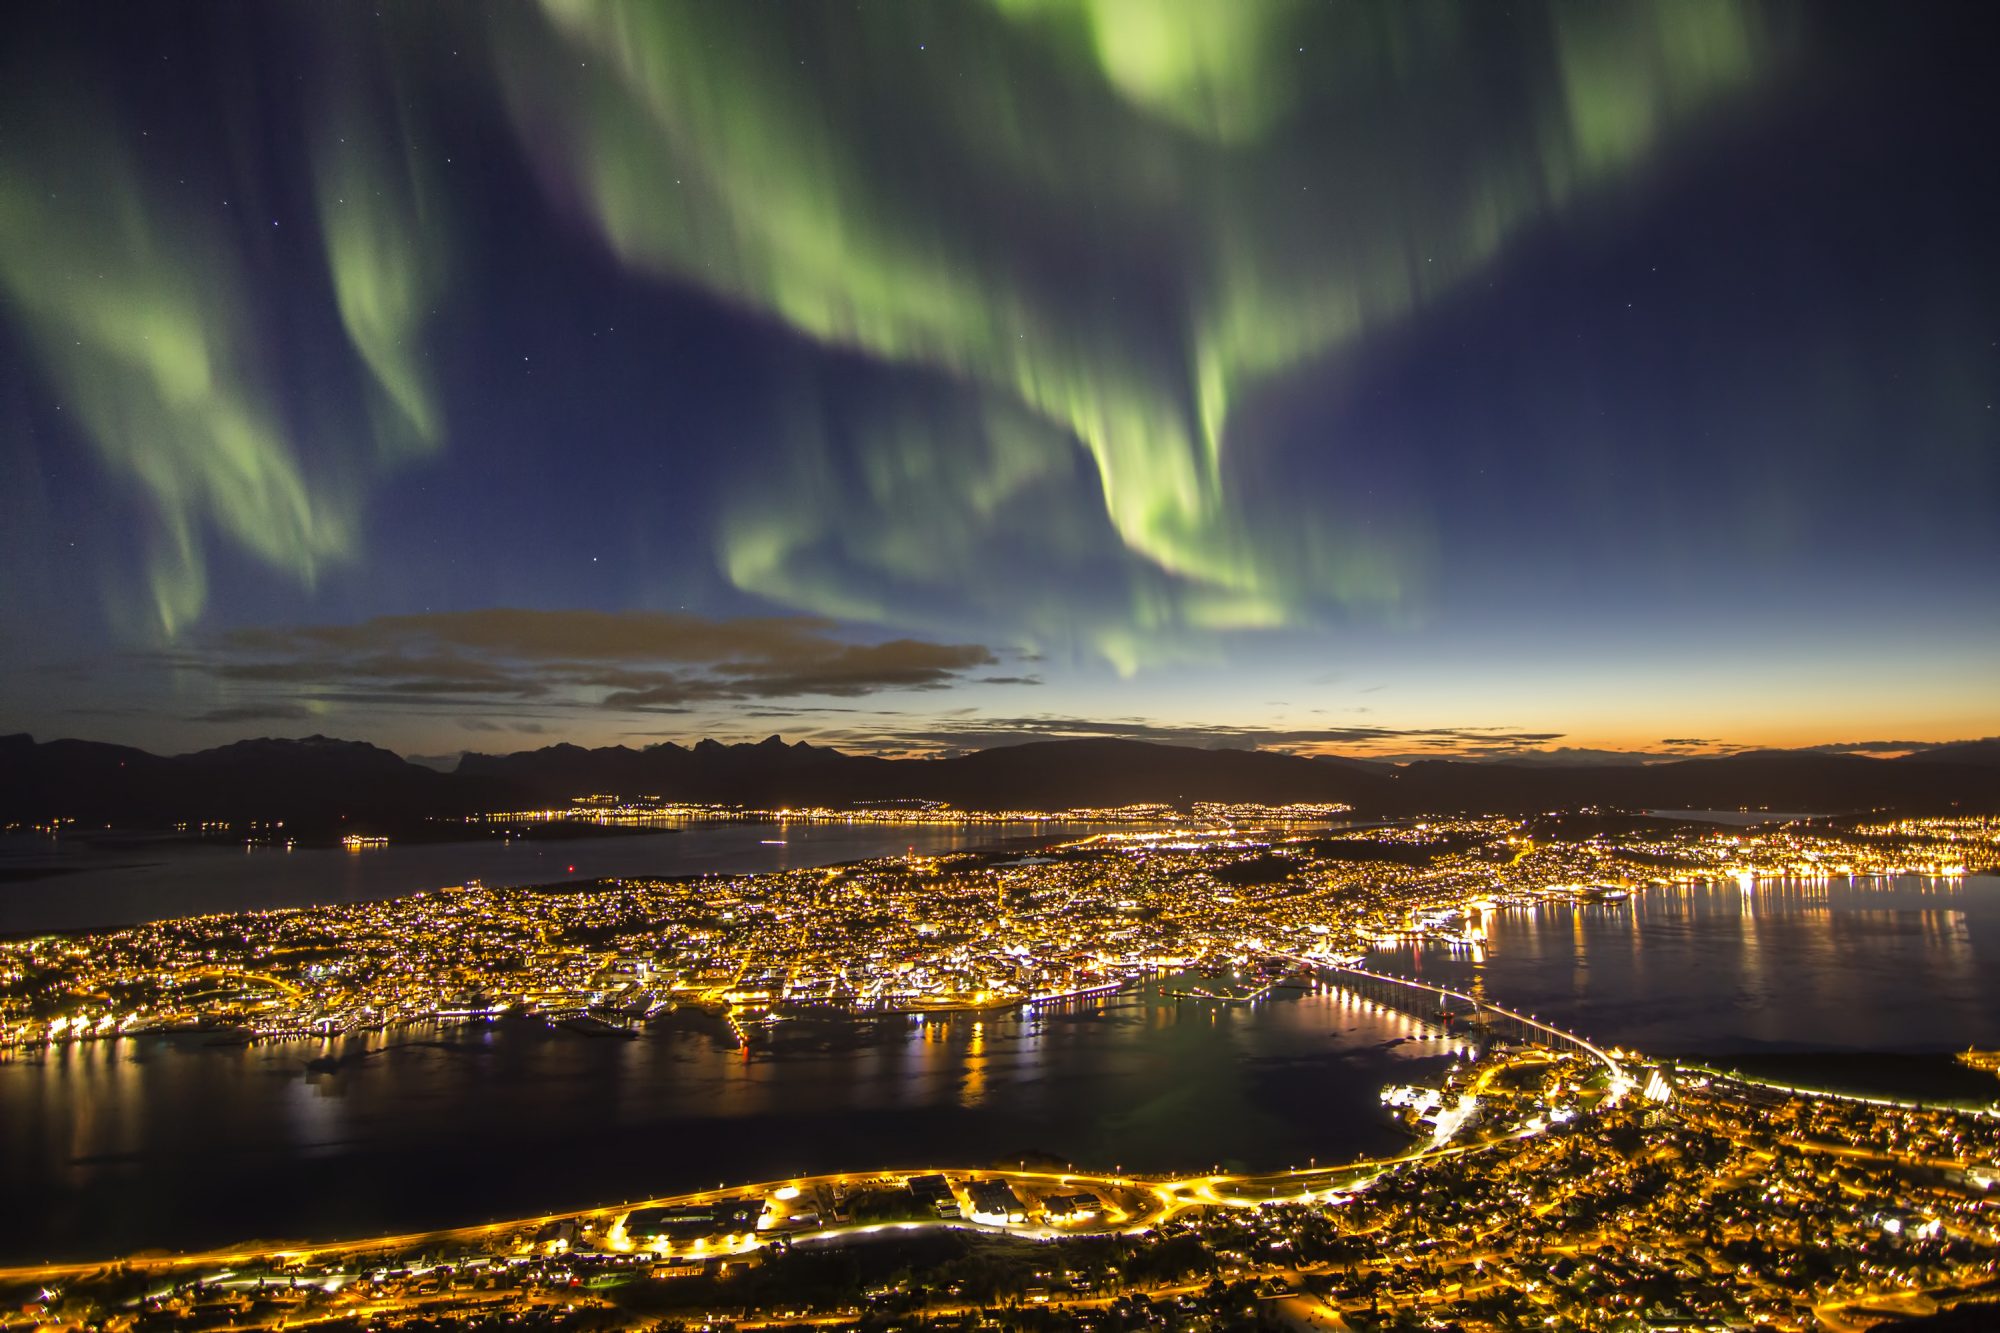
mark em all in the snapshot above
pixel 1387 379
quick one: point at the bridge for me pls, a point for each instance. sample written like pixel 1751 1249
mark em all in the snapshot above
pixel 1401 992
pixel 1142 1201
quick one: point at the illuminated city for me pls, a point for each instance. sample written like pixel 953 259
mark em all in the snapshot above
pixel 999 666
pixel 1220 892
pixel 1546 1177
pixel 1695 1201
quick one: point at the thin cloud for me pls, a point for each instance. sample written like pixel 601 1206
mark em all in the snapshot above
pixel 272 712
pixel 548 661
pixel 947 734
pixel 1875 747
pixel 954 734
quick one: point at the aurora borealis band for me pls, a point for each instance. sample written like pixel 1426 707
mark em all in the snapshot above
pixel 1386 378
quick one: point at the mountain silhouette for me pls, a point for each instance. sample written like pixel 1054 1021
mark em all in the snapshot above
pixel 318 784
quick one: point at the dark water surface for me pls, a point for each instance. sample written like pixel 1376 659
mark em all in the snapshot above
pixel 94 886
pixel 1905 965
pixel 111 1147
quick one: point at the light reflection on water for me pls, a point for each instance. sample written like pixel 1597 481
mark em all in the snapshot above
pixel 128 1144
pixel 107 887
pixel 1911 964
pixel 135 1143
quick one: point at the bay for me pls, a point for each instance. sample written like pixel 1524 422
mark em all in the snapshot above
pixel 171 1142
pixel 50 884
pixel 109 1147
pixel 1910 964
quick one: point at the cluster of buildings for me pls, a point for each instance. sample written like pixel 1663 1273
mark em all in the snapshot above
pixel 1580 1198
pixel 1238 888
pixel 647 811
pixel 898 934
pixel 1548 1185
pixel 1723 1205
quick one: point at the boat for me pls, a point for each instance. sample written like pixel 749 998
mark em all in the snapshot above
pixel 1987 1061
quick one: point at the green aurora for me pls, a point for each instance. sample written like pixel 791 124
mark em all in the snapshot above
pixel 1182 135
pixel 1259 187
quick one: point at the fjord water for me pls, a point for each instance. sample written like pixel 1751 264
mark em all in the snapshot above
pixel 1901 965
pixel 48 884
pixel 139 1143
pixel 153 1142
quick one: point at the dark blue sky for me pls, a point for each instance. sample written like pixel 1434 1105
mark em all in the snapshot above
pixel 1386 379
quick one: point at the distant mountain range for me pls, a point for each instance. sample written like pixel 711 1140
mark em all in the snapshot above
pixel 319 785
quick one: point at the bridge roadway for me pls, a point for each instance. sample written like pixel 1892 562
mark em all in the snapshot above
pixel 1167 1196
pixel 1556 1035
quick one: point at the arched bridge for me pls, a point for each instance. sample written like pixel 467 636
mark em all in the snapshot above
pixel 1402 992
